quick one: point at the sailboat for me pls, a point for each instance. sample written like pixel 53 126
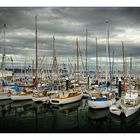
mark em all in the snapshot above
pixel 27 92
pixel 116 107
pixel 4 73
pixel 68 96
pixel 40 94
pixel 128 105
pixel 130 102
pixel 102 98
pixel 98 100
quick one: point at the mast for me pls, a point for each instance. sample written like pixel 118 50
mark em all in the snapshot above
pixel 81 59
pixel 109 57
pixel 46 69
pixel 97 68
pixel 86 50
pixel 130 66
pixel 107 43
pixel 33 68
pixel 130 74
pixel 4 55
pixel 77 59
pixel 36 48
pixel 123 60
pixel 113 64
pixel 25 68
pixel 55 65
pixel 75 76
pixel 54 53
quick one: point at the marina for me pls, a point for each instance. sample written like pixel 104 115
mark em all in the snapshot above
pixel 79 80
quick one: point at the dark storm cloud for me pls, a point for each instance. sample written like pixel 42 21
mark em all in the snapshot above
pixel 67 24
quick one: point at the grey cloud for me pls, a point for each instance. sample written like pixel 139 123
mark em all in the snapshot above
pixel 66 24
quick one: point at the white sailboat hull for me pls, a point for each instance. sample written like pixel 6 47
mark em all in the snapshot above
pixel 21 97
pixel 100 104
pixel 4 97
pixel 130 103
pixel 130 110
pixel 60 101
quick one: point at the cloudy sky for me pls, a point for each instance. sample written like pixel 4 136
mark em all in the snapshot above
pixel 67 24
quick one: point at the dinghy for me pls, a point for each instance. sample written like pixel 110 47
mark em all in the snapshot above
pixel 116 108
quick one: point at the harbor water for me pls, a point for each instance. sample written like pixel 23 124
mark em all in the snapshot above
pixel 30 117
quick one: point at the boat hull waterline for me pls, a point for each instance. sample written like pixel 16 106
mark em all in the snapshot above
pixel 101 104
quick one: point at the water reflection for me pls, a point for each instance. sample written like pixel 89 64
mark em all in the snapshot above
pixel 27 116
pixel 123 124
pixel 67 108
pixel 98 119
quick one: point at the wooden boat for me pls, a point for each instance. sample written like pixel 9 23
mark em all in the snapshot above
pixel 130 103
pixel 116 108
pixel 65 97
pixel 69 96
pixel 98 100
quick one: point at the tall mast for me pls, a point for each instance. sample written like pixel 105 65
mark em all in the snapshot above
pixel 55 65
pixel 107 43
pixel 123 60
pixel 3 56
pixel 36 48
pixel 77 58
pixel 109 56
pixel 97 69
pixel 86 50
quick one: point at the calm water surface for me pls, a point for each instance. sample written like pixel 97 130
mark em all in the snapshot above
pixel 29 117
